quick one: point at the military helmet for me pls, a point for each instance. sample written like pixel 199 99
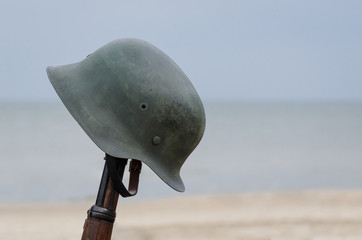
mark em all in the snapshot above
pixel 134 102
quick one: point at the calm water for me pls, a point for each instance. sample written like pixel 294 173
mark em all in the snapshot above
pixel 45 156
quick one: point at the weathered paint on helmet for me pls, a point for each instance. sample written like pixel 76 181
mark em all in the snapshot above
pixel 134 102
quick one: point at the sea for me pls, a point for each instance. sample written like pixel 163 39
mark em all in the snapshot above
pixel 247 147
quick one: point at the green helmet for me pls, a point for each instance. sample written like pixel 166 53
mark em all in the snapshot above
pixel 134 102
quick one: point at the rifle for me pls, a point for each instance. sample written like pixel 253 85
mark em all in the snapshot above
pixel 101 216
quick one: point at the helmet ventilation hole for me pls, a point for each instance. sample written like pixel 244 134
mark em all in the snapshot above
pixel 143 106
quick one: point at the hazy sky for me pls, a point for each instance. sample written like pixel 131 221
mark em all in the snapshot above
pixel 230 50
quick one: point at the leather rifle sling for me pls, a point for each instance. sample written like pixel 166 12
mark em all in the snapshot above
pixel 135 170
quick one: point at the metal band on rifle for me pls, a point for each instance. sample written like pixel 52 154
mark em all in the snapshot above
pixel 102 213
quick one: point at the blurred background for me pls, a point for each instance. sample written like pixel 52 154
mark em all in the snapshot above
pixel 281 82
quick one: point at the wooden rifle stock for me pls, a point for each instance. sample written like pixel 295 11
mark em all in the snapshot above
pixel 96 229
pixel 101 216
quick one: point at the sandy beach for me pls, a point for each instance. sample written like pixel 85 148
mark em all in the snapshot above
pixel 296 215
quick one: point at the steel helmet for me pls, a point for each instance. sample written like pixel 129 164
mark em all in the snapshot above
pixel 134 102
